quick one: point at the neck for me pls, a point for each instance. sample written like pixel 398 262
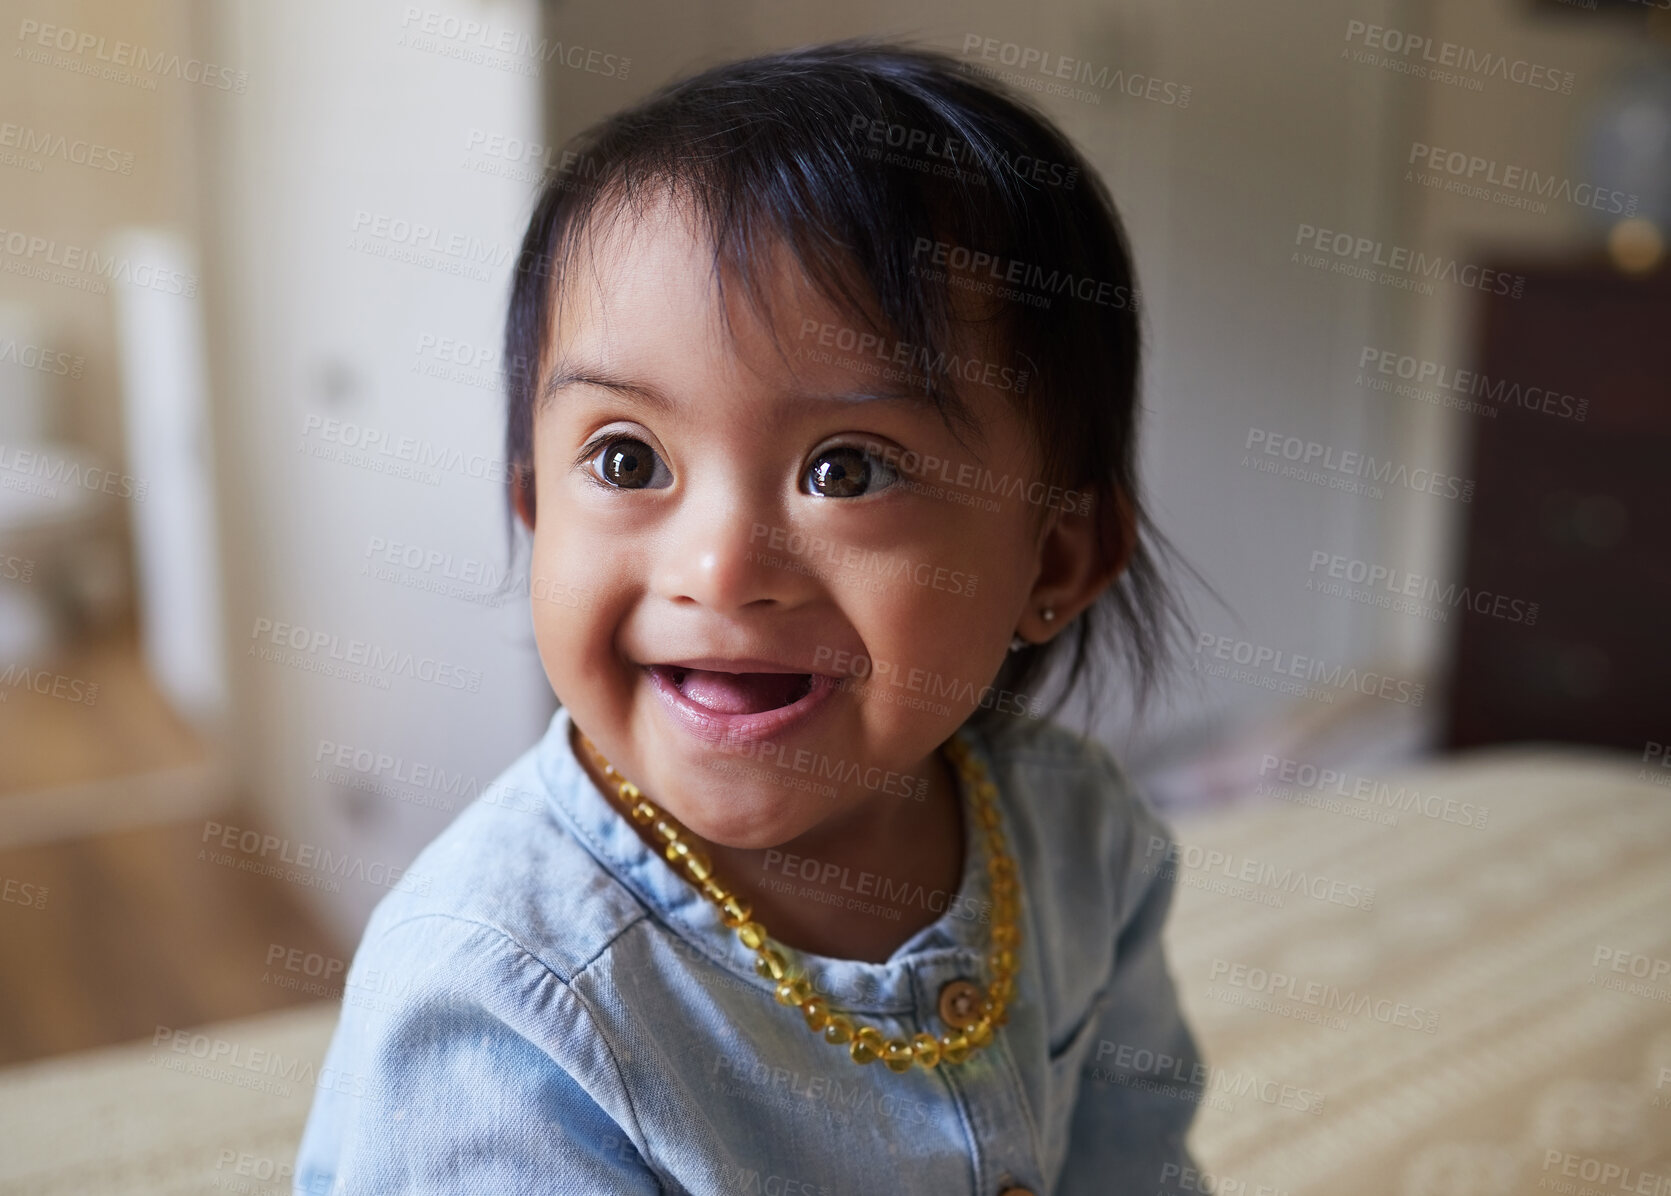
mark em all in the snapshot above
pixel 879 871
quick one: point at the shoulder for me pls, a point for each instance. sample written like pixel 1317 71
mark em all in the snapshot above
pixel 1071 790
pixel 507 876
pixel 1085 839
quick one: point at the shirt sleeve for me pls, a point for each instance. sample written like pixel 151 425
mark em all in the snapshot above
pixel 435 1083
pixel 1142 1077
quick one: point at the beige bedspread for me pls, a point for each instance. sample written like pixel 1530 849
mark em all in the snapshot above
pixel 1457 981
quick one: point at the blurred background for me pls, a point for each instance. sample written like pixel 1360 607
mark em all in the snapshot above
pixel 253 268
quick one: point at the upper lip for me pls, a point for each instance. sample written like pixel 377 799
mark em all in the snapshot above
pixel 736 664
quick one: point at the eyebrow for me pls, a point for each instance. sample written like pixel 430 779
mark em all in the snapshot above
pixel 565 375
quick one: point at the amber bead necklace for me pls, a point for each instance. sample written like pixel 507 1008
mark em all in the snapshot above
pixel 864 1043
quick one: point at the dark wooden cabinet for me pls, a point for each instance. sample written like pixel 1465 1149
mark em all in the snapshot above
pixel 1572 514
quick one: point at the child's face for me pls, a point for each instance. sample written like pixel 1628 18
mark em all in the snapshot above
pixel 722 524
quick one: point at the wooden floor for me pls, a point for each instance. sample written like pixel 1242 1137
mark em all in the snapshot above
pixel 107 937
pixel 47 741
pixel 119 934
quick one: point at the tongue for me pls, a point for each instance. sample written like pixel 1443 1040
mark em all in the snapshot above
pixel 740 693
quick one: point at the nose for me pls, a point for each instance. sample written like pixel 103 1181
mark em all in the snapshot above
pixel 731 554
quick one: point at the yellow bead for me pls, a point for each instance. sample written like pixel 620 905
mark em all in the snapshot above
pixel 954 1048
pixel 987 817
pixel 665 830
pixel 980 1034
pixel 927 1049
pixel 897 1054
pixel 628 792
pixel 999 990
pixel 697 866
pixel 644 813
pixel 866 1046
pixel 734 911
pixel 753 935
pixel 1002 1016
pixel 838 1029
pixel 714 891
pixel 816 1012
pixel 986 789
pixel 793 991
pixel 1003 962
pixel 677 850
pixel 1003 867
pixel 771 964
pixel 1003 936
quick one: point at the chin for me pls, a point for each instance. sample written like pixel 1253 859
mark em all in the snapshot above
pixel 752 824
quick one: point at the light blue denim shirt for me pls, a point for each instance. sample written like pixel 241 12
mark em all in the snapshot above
pixel 560 1012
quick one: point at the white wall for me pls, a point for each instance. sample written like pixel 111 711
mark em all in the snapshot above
pixel 312 322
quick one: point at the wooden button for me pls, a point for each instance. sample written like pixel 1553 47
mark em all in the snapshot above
pixel 960 1004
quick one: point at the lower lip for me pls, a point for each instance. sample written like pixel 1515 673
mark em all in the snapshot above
pixel 713 727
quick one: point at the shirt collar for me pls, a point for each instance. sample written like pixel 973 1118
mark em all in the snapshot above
pixel 957 938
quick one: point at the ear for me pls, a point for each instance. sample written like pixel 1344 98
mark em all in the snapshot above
pixel 522 494
pixel 1082 551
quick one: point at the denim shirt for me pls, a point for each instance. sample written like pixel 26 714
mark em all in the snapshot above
pixel 556 1010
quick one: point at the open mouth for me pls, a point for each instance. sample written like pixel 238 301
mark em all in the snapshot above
pixel 736 693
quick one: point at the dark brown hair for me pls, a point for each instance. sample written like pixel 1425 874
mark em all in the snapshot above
pixel 856 156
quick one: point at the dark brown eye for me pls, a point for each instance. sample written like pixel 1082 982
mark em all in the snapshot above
pixel 847 472
pixel 630 464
